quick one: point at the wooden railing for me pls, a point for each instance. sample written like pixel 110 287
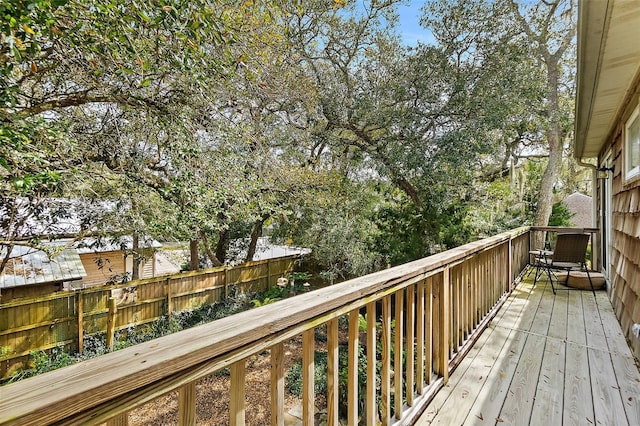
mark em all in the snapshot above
pixel 430 311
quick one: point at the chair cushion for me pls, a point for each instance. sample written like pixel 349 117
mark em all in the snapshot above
pixel 580 280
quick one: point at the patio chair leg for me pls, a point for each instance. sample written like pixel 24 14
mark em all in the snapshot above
pixel 535 279
pixel 593 290
pixel 551 280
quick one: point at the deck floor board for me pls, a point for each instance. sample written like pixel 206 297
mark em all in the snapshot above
pixel 545 359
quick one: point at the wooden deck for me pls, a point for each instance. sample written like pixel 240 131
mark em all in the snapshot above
pixel 544 360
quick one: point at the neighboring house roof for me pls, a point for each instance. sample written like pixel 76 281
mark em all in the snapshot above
pixel 28 266
pixel 164 265
pixel 265 249
pixel 582 208
pixel 125 242
pixel 59 216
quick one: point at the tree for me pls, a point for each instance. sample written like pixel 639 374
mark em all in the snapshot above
pixel 549 27
pixel 528 103
pixel 113 95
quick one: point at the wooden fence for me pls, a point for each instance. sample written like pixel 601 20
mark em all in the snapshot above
pixel 62 319
pixel 421 319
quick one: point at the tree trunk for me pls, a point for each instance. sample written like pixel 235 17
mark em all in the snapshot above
pixel 255 234
pixel 212 257
pixel 194 262
pixel 554 166
pixel 135 248
pixel 223 245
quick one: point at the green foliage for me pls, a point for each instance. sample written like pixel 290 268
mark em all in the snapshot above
pixel 293 378
pixel 204 121
pixel 561 215
pixel 45 361
pixel 256 303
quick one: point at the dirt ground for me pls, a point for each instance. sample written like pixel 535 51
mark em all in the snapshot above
pixel 212 406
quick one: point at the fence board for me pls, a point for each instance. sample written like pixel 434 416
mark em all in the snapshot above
pixel 48 321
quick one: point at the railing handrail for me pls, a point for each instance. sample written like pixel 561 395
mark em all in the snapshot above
pixel 563 229
pixel 201 350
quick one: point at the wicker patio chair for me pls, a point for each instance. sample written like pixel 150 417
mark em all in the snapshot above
pixel 568 255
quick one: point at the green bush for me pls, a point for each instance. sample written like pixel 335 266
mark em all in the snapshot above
pixel 293 378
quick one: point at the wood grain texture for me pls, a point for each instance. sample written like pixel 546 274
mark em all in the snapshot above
pixel 187 405
pixel 398 375
pixel 420 336
pixel 308 376
pixel 333 373
pixel 277 384
pixel 237 394
pixel 552 360
pixel 352 369
pixel 385 385
pixel 119 420
pixel 154 368
pixel 410 345
pixel 371 404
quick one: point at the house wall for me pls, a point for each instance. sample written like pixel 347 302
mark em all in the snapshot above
pixel 624 287
pixel 101 268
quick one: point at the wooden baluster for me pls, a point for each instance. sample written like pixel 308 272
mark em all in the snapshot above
pixel 397 362
pixel 372 407
pixel 237 393
pixel 119 420
pixel 386 361
pixel 277 385
pixel 333 373
pixel 308 391
pixel 420 339
pixel 352 369
pixel 445 324
pixel 187 405
pixel 428 337
pixel 409 341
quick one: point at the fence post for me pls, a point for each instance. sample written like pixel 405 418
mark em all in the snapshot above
pixel 111 322
pixel 226 282
pixel 79 308
pixel 168 291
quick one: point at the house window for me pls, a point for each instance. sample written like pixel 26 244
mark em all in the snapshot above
pixel 632 145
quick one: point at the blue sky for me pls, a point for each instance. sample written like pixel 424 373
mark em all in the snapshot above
pixel 409 26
